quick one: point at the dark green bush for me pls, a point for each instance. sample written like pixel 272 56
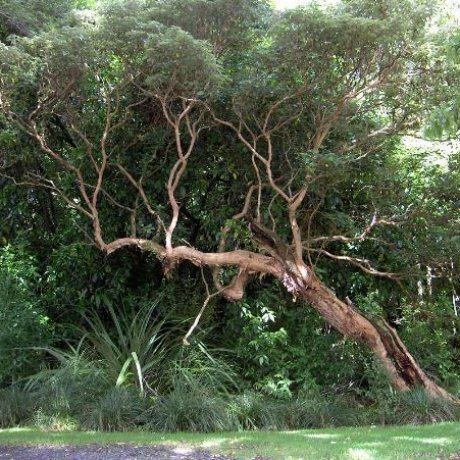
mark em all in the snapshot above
pixel 24 323
pixel 16 407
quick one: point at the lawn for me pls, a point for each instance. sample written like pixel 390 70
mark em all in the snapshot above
pixel 399 442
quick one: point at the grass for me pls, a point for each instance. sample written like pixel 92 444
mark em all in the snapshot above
pixel 364 443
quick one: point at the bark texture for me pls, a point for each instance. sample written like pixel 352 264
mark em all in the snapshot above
pixel 385 343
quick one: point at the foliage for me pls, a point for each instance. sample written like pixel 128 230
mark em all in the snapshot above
pixel 29 16
pixel 284 351
pixel 26 322
pixel 133 346
pixel 443 122
pixel 190 57
pixel 16 407
pixel 117 410
pixel 328 93
pixel 436 350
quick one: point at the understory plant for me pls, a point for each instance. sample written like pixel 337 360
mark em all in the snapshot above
pixel 16 406
pixel 189 406
pixel 134 344
pixel 119 409
pixel 23 319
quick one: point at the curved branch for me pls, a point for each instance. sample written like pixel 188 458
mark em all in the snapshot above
pixel 362 264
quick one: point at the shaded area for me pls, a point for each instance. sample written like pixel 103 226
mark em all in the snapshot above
pixel 109 452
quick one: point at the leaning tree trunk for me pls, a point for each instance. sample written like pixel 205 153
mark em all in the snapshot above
pixel 379 336
pixel 300 281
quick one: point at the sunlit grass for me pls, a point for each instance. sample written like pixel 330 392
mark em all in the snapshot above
pixel 367 443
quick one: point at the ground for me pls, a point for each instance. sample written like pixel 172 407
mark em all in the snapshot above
pixel 439 441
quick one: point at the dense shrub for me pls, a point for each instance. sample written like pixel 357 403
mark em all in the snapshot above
pixel 284 351
pixel 24 323
pixel 430 332
pixel 16 407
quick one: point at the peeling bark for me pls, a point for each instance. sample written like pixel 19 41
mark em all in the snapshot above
pixel 384 342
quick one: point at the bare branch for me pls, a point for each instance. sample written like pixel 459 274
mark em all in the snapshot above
pixel 362 264
pixel 375 222
pixel 203 308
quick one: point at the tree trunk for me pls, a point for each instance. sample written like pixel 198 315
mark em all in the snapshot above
pixel 379 336
pixel 300 281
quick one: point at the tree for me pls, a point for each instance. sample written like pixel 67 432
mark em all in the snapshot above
pixel 249 135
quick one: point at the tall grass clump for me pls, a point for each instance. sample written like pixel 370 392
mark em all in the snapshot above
pixel 416 407
pixel 317 411
pixel 199 382
pixel 120 409
pixel 189 407
pixel 253 411
pixel 16 407
pixel 134 345
pixel 64 390
pixel 197 365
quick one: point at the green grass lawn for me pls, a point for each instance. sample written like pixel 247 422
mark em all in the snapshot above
pixel 399 442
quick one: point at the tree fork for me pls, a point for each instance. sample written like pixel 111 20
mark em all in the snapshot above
pixel 385 343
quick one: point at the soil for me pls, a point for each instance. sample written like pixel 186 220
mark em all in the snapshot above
pixel 110 452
